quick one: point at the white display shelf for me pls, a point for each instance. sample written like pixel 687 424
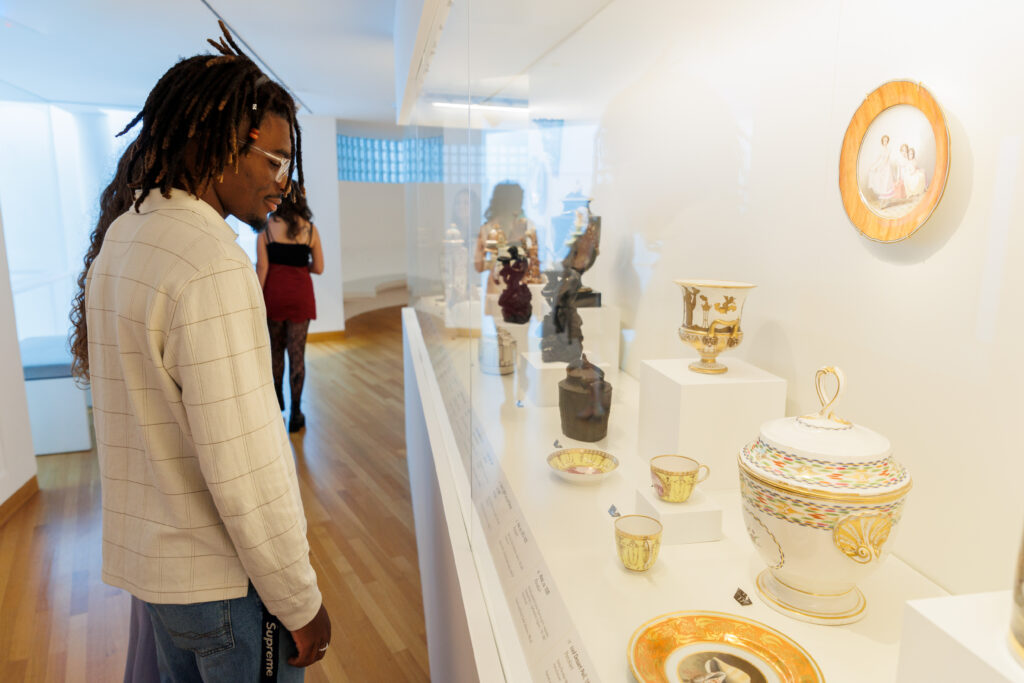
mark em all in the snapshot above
pixel 705 417
pixel 573 531
pixel 959 638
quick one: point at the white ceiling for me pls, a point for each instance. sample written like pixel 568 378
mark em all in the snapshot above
pixel 335 55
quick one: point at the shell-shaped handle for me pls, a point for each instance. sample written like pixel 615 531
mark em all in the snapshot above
pixel 825 418
pixel 861 536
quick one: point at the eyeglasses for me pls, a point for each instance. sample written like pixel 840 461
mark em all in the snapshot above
pixel 284 165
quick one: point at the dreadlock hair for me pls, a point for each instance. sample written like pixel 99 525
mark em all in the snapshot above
pixel 295 212
pixel 204 103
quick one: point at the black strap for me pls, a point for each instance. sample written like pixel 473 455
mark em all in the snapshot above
pixel 309 242
pixel 270 652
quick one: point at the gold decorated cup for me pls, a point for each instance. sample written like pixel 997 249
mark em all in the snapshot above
pixel 638 538
pixel 711 319
pixel 675 476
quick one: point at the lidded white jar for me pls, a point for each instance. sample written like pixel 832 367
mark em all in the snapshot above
pixel 821 500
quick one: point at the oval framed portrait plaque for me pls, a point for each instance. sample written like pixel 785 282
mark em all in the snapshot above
pixel 894 162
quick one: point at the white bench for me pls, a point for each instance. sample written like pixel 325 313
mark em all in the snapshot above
pixel 57 410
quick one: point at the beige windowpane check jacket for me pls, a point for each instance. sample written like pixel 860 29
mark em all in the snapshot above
pixel 200 494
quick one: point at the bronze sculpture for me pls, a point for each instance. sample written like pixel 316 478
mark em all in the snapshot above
pixel 563 327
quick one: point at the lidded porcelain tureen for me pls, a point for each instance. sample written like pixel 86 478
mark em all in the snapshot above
pixel 821 500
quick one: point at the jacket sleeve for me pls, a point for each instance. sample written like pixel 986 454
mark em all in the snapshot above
pixel 218 351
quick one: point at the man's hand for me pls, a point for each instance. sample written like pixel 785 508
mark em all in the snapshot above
pixel 312 639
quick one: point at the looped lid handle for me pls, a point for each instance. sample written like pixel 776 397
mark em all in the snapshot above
pixel 825 418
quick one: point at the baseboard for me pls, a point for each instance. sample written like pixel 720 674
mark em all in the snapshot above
pixel 18 498
pixel 337 335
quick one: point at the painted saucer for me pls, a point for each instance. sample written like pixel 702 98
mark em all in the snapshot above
pixel 582 465
pixel 715 647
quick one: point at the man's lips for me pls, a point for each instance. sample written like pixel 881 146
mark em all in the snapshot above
pixel 273 203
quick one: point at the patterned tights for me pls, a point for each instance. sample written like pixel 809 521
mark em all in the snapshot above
pixel 290 335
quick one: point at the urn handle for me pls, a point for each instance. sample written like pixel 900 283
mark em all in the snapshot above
pixel 861 536
pixel 825 418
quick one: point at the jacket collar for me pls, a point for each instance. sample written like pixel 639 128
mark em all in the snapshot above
pixel 180 200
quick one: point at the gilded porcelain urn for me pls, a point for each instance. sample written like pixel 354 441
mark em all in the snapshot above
pixel 821 500
pixel 711 319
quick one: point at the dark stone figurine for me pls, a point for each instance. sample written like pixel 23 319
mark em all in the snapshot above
pixel 563 327
pixel 515 301
pixel 584 401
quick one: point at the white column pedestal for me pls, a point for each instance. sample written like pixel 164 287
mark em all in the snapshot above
pixel 601 331
pixel 705 417
pixel 540 379
pixel 698 520
pixel 958 638
pixel 463 315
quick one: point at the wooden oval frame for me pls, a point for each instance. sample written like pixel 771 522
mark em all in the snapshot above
pixel 870 224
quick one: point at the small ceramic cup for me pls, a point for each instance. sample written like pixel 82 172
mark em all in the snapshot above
pixel 675 476
pixel 638 538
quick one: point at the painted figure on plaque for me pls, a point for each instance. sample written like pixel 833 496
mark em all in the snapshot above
pixel 584 401
pixel 515 301
pixel 563 327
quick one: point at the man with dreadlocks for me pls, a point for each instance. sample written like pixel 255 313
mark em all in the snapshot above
pixel 202 518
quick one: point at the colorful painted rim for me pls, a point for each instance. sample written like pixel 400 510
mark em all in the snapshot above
pixel 881 475
pixel 649 650
pixel 794 489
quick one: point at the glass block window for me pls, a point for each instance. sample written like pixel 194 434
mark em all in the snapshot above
pixel 372 160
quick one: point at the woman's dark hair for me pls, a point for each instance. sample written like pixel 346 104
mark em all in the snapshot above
pixel 203 104
pixel 295 212
pixel 507 200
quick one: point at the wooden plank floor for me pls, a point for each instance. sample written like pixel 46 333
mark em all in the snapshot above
pixel 58 622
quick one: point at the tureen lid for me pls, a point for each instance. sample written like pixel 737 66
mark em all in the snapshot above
pixel 822 452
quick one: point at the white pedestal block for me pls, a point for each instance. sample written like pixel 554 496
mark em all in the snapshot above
pixel 705 417
pixel 540 379
pixel 463 315
pixel 958 638
pixel 698 520
pixel 601 330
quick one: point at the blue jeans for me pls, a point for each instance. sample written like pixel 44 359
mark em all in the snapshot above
pixel 217 641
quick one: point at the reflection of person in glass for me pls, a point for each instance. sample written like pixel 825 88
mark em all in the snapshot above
pixel 505 226
pixel 465 210
pixel 881 175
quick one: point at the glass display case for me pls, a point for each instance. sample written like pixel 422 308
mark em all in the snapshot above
pixel 617 182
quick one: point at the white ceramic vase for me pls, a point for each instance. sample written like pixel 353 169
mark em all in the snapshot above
pixel 821 500
pixel 711 319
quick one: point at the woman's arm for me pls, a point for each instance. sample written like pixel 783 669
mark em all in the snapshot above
pixel 317 266
pixel 262 261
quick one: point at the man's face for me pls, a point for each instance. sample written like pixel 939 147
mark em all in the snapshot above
pixel 251 192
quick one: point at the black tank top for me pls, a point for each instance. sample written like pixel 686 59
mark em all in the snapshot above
pixel 287 254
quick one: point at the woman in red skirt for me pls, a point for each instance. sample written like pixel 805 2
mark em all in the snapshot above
pixel 286 253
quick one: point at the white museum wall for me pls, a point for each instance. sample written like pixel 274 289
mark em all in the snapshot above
pixel 320 165
pixel 373 232
pixel 425 229
pixel 17 458
pixel 719 130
